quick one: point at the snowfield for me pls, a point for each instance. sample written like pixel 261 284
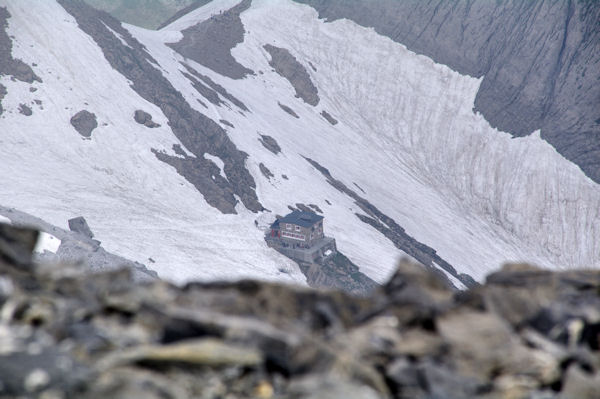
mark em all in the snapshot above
pixel 406 135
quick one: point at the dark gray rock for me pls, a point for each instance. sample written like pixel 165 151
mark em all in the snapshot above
pixel 339 272
pixel 204 90
pixel 209 42
pixel 329 118
pixel 286 65
pixel 84 122
pixel 2 94
pixel 144 118
pixel 25 110
pixel 315 207
pixel 227 123
pixel 80 225
pixel 10 66
pixel 198 133
pixel 270 143
pixel 265 171
pixel 540 61
pixel 214 87
pixel 288 110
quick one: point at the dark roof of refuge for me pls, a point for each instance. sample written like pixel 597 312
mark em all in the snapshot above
pixel 301 218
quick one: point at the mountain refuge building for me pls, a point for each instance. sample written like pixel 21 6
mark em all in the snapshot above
pixel 299 235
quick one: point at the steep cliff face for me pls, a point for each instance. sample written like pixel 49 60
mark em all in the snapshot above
pixel 540 61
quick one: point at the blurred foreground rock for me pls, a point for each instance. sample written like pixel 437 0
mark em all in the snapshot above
pixel 68 333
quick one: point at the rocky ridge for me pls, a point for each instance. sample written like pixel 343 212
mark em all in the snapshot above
pixel 69 333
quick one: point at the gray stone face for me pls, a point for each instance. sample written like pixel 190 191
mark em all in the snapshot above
pixel 25 110
pixel 270 143
pixel 80 225
pixel 215 88
pixel 2 94
pixel 204 90
pixel 144 118
pixel 329 118
pixel 209 42
pixel 226 123
pixel 540 61
pixel 288 110
pixel 265 171
pixel 198 133
pixel 286 65
pixel 84 122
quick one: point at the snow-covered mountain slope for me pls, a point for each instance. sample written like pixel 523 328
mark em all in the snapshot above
pixel 390 149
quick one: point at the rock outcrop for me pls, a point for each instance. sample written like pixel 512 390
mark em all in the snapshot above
pixel 84 122
pixel 144 118
pixel 286 65
pixel 80 225
pixel 209 42
pixel 66 332
pixel 25 110
pixel 270 143
pixel 288 110
pixel 539 60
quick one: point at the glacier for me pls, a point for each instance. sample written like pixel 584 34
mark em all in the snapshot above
pixel 407 136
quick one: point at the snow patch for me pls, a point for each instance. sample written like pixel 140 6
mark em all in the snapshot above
pixel 218 161
pixel 46 242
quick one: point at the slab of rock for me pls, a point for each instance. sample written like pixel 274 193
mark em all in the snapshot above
pixel 329 118
pixel 80 225
pixel 288 110
pixel 210 42
pixel 287 65
pixel 144 118
pixel 265 171
pixel 270 143
pixel 2 94
pixel 84 122
pixel 25 110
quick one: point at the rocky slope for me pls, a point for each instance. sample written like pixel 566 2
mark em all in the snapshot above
pixel 67 333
